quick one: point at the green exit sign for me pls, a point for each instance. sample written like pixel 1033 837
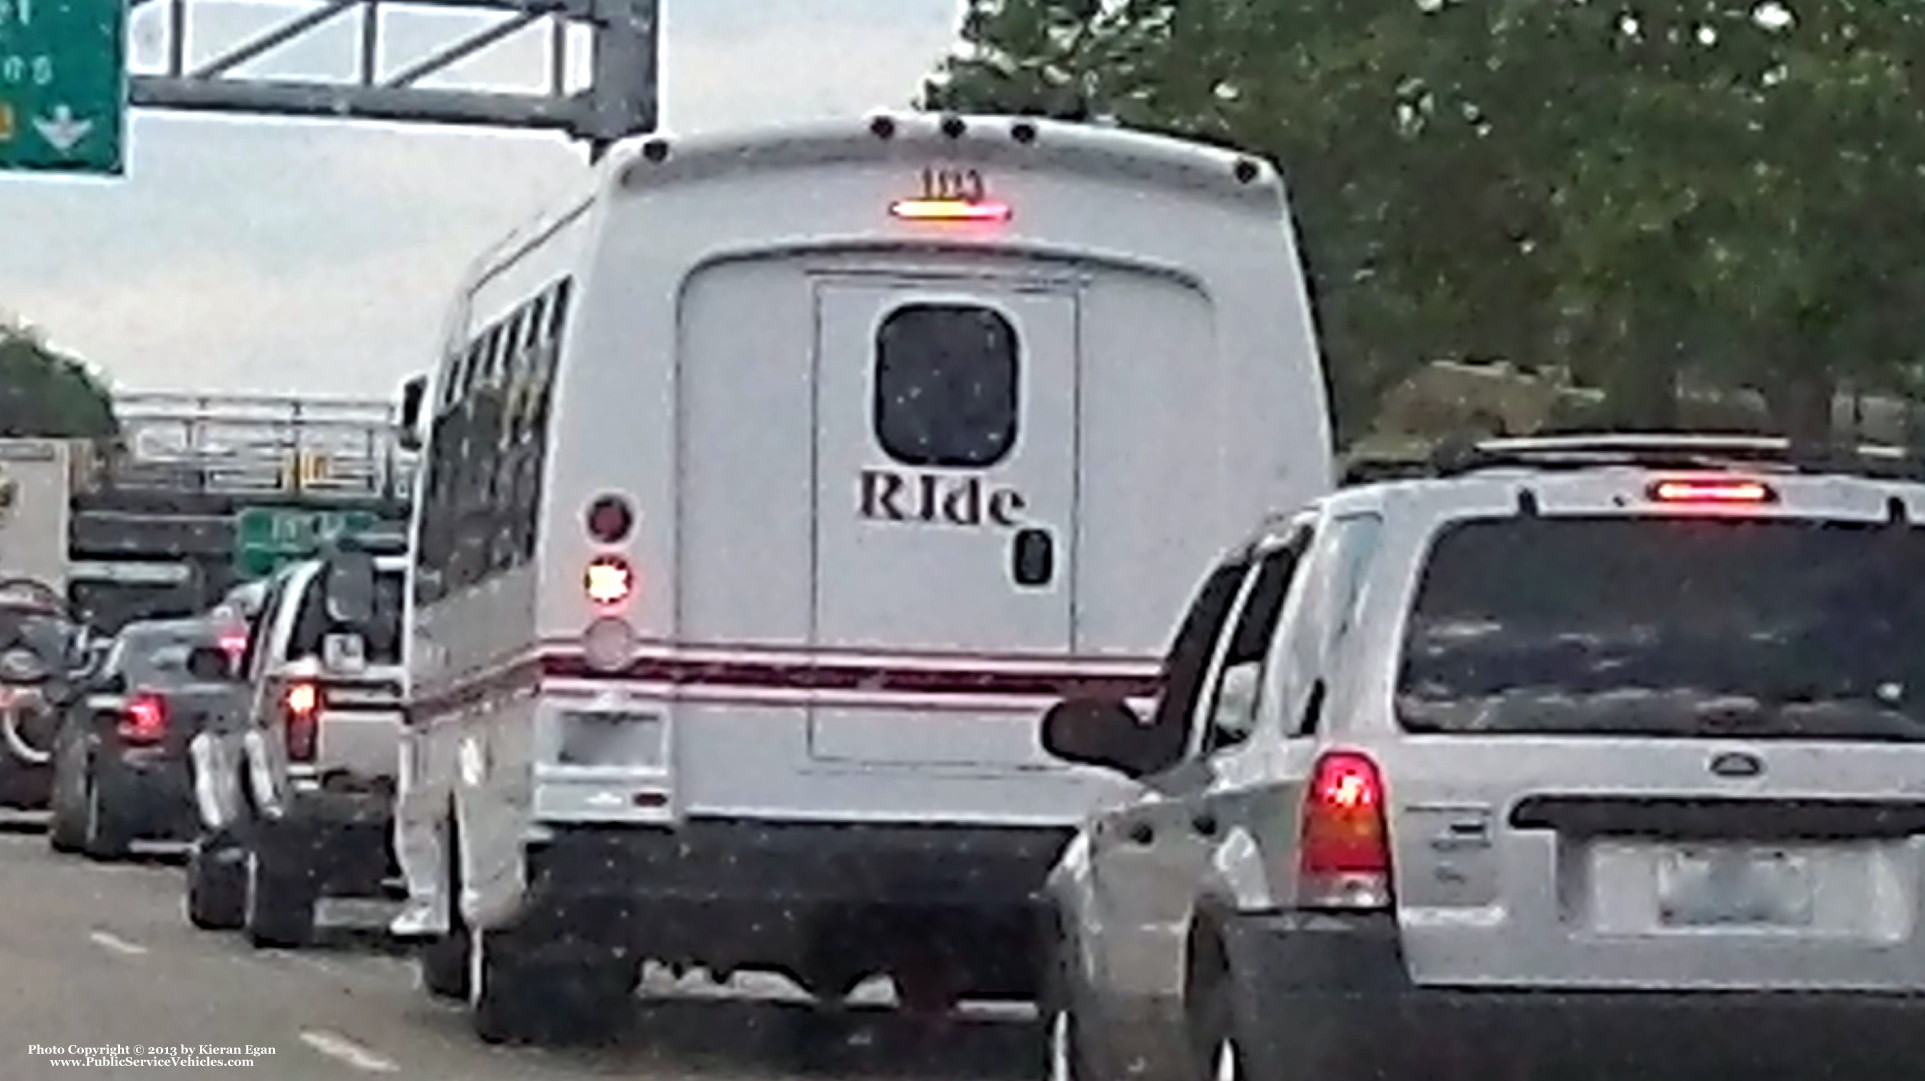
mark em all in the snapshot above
pixel 266 538
pixel 63 85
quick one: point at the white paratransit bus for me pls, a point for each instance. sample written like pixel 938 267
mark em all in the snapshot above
pixel 773 488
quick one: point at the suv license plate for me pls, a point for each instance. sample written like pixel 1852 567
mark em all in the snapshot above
pixel 1733 887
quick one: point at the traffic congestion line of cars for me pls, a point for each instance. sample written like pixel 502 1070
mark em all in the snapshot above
pixel 1471 766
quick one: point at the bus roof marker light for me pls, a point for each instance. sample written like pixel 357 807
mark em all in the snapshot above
pixel 949 210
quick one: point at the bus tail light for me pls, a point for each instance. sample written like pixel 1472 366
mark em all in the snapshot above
pixel 301 711
pixel 608 581
pixel 608 644
pixel 609 519
pixel 1344 852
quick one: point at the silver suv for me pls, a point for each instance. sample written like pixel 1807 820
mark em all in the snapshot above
pixel 1599 751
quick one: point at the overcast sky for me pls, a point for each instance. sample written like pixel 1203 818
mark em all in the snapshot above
pixel 295 256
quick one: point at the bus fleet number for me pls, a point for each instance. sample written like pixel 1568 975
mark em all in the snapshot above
pixel 961 185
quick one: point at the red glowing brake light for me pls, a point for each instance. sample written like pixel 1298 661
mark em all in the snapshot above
pixel 949 210
pixel 608 580
pixel 1712 491
pixel 143 719
pixel 301 702
pixel 1344 850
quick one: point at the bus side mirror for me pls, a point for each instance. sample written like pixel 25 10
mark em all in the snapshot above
pixel 414 393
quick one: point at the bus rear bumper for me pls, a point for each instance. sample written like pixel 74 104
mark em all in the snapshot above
pixel 824 901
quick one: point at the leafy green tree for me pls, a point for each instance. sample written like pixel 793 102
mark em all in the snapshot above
pixel 46 393
pixel 1725 193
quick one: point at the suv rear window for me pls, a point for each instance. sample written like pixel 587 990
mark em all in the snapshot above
pixel 1669 627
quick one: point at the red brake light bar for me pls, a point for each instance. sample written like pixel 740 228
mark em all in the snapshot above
pixel 949 210
pixel 1712 491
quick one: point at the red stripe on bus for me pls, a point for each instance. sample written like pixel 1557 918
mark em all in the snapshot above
pixel 863 678
pixel 881 680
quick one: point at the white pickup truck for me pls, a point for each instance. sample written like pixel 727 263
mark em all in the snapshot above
pixel 296 795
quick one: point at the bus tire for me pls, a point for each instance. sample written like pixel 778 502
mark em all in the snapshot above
pixel 444 960
pixel 513 999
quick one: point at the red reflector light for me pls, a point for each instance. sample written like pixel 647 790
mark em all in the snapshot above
pixel 608 580
pixel 1344 855
pixel 949 210
pixel 144 720
pixel 302 703
pixel 1712 491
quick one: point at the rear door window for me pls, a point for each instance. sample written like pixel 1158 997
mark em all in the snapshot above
pixel 1669 627
pixel 946 382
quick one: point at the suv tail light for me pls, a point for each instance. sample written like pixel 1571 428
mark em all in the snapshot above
pixel 143 719
pixel 301 710
pixel 1344 854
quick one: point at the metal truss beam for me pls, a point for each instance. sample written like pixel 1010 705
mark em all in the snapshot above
pixel 620 99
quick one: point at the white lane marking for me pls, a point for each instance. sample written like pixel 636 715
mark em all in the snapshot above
pixel 336 1046
pixel 117 943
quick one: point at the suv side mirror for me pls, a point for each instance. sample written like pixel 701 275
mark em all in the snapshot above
pixel 347 583
pixel 414 393
pixel 1103 732
pixel 209 664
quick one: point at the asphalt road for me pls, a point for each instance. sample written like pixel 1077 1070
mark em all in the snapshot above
pixel 100 955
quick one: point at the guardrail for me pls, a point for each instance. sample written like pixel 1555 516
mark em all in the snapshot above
pixel 255 444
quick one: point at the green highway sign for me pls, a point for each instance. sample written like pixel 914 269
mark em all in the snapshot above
pixel 265 538
pixel 63 85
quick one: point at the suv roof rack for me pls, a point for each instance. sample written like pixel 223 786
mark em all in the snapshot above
pixel 1654 450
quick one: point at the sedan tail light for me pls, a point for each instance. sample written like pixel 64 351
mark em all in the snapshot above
pixel 143 719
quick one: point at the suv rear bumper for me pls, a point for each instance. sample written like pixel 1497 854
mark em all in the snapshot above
pixel 1330 996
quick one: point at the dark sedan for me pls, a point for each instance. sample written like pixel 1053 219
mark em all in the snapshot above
pixel 120 764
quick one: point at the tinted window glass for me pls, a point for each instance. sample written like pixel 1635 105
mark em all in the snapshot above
pixel 480 491
pixel 946 385
pixel 157 656
pixel 1669 628
pixel 1188 659
pixel 311 626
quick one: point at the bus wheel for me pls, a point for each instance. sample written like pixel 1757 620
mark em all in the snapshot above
pixel 444 960
pixel 512 999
